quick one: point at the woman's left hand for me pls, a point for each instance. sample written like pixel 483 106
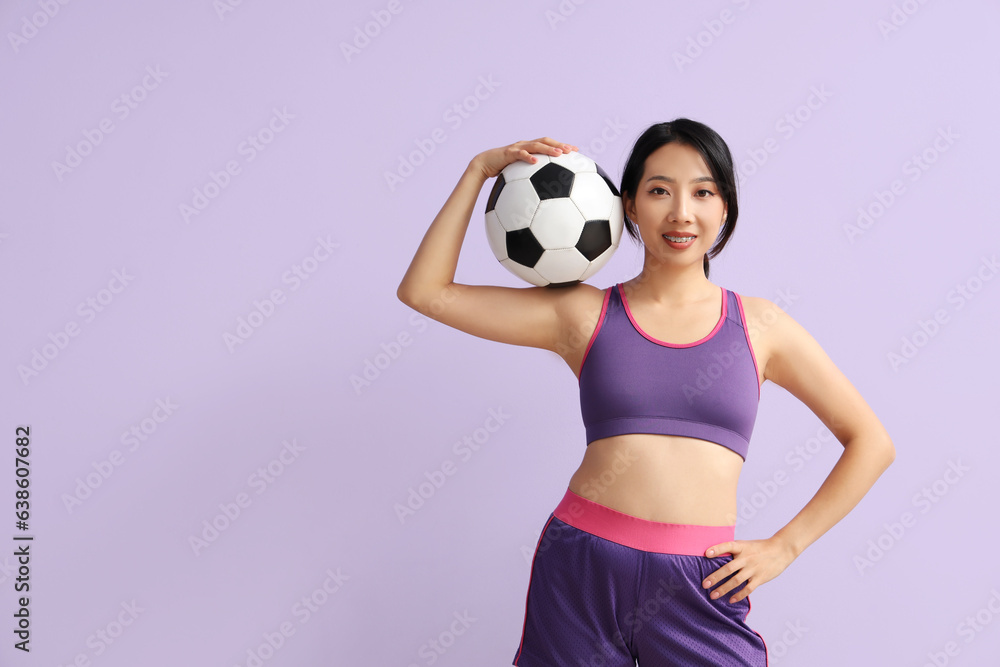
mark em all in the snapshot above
pixel 754 561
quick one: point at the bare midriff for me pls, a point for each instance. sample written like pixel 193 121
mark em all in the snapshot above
pixel 665 478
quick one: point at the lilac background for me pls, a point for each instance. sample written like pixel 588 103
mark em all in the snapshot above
pixel 595 77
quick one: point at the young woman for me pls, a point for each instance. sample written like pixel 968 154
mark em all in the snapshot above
pixel 637 560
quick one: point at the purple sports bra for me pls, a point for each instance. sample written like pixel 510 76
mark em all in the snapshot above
pixel 631 382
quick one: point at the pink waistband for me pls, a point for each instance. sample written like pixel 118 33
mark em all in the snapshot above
pixel 638 533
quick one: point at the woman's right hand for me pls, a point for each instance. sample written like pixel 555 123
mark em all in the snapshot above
pixel 493 161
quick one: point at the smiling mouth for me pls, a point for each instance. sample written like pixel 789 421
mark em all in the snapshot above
pixel 679 239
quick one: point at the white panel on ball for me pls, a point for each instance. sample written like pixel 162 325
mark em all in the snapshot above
pixel 524 272
pixel 521 169
pixel 516 205
pixel 562 235
pixel 591 270
pixel 576 162
pixel 562 266
pixel 591 197
pixel 496 235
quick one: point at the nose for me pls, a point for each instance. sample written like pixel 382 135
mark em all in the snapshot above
pixel 680 209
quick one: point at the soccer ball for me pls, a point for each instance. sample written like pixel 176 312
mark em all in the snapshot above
pixel 555 222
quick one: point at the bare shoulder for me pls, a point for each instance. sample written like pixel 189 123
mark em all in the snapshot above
pixel 579 309
pixel 766 323
pixel 579 304
pixel 776 337
pixel 760 313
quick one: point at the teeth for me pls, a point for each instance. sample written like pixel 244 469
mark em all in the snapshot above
pixel 678 239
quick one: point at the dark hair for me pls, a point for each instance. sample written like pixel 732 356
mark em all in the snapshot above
pixel 713 150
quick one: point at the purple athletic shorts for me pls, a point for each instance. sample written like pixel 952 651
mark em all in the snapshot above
pixel 609 589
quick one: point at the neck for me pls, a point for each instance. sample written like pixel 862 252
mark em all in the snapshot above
pixel 668 282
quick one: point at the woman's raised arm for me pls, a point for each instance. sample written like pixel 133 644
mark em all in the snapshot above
pixel 530 316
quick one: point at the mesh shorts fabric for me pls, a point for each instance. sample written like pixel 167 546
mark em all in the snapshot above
pixel 595 601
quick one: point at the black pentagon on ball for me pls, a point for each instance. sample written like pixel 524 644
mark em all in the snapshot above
pixel 552 181
pixel 608 181
pixel 595 239
pixel 565 284
pixel 523 247
pixel 495 193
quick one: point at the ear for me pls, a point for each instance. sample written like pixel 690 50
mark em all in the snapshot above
pixel 628 204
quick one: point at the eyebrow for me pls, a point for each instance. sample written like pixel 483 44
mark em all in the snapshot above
pixel 701 179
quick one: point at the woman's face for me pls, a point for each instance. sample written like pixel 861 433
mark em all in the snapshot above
pixel 677 198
